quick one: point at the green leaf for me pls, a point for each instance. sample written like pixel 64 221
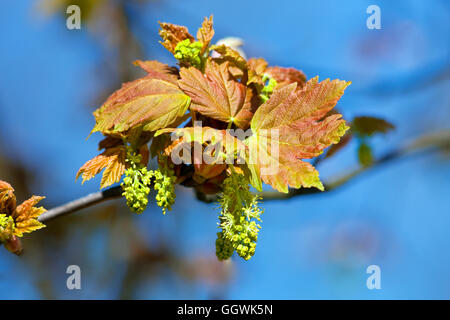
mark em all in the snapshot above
pixel 365 154
pixel 367 126
pixel 189 54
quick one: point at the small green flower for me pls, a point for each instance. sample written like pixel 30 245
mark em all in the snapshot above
pixel 268 88
pixel 6 227
pixel 188 52
pixel 224 247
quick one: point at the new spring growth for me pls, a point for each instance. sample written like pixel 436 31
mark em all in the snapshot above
pixel 216 84
pixel 189 53
pixel 137 182
pixel 165 185
pixel 238 218
pixel 6 227
pixel 267 90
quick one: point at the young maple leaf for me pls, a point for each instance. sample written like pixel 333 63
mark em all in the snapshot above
pixel 302 132
pixel 172 34
pixel 158 70
pixel 112 160
pixel 147 102
pixel 216 95
pixel 256 69
pixel 25 216
pixel 237 65
pixel 7 198
pixel 206 33
pixel 285 76
pixel 335 148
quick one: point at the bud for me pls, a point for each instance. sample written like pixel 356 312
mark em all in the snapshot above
pixel 14 245
pixel 7 198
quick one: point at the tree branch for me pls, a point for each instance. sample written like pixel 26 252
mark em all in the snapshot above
pixel 429 143
pixel 81 203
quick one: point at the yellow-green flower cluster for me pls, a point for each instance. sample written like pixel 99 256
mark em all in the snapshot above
pixel 6 227
pixel 268 88
pixel 165 186
pixel 136 184
pixel 239 219
pixel 188 52
pixel 224 247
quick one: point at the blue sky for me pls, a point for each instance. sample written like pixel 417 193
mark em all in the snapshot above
pixel 310 247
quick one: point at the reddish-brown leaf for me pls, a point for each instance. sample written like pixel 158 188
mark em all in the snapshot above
pixel 290 126
pixel 7 198
pixel 206 33
pixel 158 70
pixel 109 142
pixel 256 70
pixel 147 102
pixel 285 76
pixel 217 96
pixel 237 65
pixel 172 34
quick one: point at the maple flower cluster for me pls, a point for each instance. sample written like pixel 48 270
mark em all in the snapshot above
pixel 138 181
pixel 189 53
pixel 270 84
pixel 165 187
pixel 216 85
pixel 136 184
pixel 238 218
pixel 6 227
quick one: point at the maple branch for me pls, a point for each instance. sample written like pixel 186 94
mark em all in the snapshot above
pixel 426 144
pixel 81 203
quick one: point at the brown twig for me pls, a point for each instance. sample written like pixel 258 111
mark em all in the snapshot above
pixel 81 203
